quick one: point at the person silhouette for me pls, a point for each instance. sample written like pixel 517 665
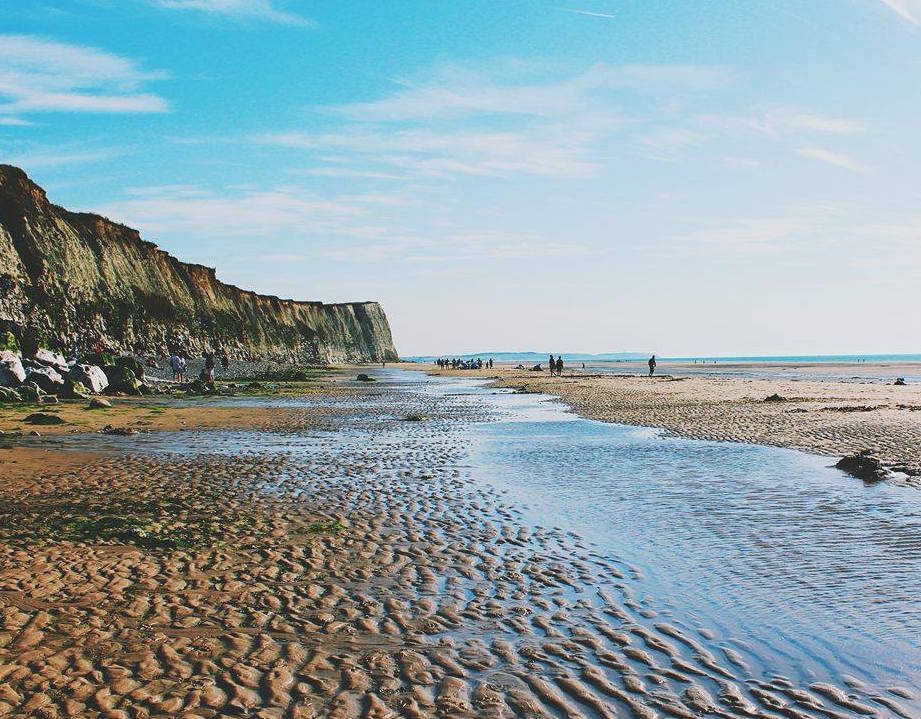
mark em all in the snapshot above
pixel 552 365
pixel 559 366
pixel 652 365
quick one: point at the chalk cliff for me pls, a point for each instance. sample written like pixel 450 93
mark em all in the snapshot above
pixel 67 278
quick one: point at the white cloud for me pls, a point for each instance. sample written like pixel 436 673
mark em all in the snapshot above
pixel 909 10
pixel 30 161
pixel 194 210
pixel 445 152
pixel 40 75
pixel 832 158
pixel 591 13
pixel 457 92
pixel 777 124
pixel 238 9
pixel 669 144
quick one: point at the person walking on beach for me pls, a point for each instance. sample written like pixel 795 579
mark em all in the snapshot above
pixel 559 366
pixel 209 367
pixel 176 363
pixel 652 365
pixel 552 365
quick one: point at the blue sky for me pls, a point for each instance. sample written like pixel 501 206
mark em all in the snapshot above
pixel 685 177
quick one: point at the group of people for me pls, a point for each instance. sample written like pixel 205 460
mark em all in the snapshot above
pixel 178 364
pixel 556 366
pixel 463 364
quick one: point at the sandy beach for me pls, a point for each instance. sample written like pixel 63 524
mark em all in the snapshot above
pixel 843 412
pixel 341 562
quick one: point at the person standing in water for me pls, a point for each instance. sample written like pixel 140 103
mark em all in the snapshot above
pixel 652 365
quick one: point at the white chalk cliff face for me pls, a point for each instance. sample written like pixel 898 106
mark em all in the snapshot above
pixel 68 278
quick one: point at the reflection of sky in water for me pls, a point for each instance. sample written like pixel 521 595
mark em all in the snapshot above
pixel 818 572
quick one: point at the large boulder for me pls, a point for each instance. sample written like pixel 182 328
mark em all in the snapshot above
pixel 12 373
pixel 9 395
pixel 137 367
pixel 47 378
pixel 47 358
pixel 74 390
pixel 90 376
pixel 121 380
pixel 30 392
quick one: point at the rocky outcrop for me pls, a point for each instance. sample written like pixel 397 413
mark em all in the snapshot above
pixel 68 279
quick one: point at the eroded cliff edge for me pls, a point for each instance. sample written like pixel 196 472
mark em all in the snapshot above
pixel 70 278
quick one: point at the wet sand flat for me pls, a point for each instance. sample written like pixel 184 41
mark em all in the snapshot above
pixel 361 572
pixel 833 417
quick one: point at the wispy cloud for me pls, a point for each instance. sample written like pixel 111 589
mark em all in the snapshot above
pixel 265 10
pixel 781 123
pixel 832 158
pixel 41 75
pixel 449 152
pixel 591 13
pixel 59 157
pixel 456 92
pixel 241 213
pixel 909 10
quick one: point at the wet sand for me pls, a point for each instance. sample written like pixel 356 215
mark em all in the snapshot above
pixel 367 577
pixel 833 416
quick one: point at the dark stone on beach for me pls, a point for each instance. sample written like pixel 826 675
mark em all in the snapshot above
pixel 122 380
pixel 863 465
pixel 99 403
pixel 364 378
pixel 43 418
pixel 900 382
pixel 48 399
pixel 30 392
pixel 47 378
pixel 414 418
pixel 119 431
pixel 775 398
pixel 73 390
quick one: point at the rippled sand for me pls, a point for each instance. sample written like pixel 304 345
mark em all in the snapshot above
pixel 831 417
pixel 366 577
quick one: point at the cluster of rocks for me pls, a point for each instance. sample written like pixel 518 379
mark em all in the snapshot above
pixel 46 376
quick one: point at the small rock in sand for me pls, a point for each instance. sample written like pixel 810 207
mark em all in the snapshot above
pixel 43 418
pixel 863 465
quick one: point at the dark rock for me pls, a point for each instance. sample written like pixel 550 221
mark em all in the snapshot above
pixel 99 403
pixel 48 399
pixel 775 398
pixel 47 378
pixel 90 376
pixel 900 382
pixel 365 378
pixel 8 394
pixel 30 392
pixel 73 390
pixel 43 418
pixel 129 362
pixel 863 465
pixel 119 431
pixel 122 380
pixel 12 373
